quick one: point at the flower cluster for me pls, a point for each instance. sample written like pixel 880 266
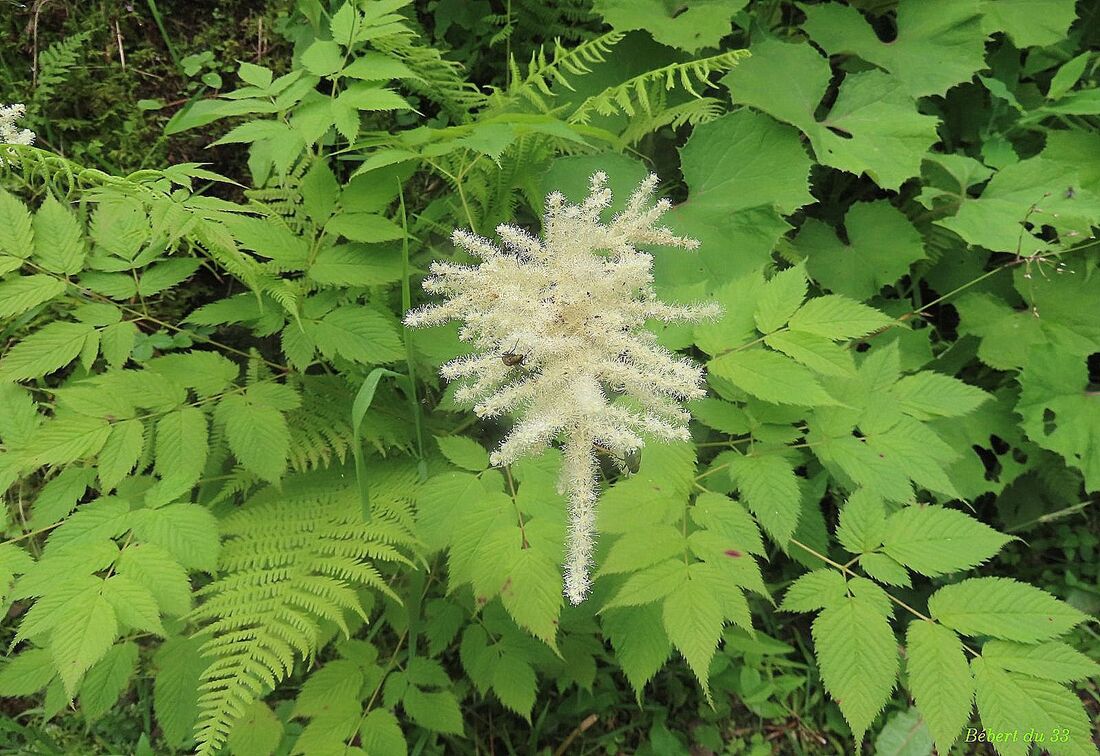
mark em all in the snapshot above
pixel 557 325
pixel 9 132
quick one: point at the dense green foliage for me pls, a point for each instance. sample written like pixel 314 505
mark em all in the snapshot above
pixel 243 513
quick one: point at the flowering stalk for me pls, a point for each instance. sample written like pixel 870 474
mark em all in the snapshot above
pixel 9 133
pixel 558 329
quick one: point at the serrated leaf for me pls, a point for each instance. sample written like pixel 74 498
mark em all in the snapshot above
pixel 687 28
pixel 179 665
pixel 133 603
pixel 27 673
pixel 256 732
pixel 49 348
pixel 939 679
pixel 436 711
pixel 381 733
pixel 1002 608
pixel 1053 660
pixel 651 584
pixel 164 577
pixel 815 352
pixel 926 395
pixel 642 547
pixel 120 453
pixel 181 449
pixel 106 681
pixel 514 683
pixel 778 299
pixel 1010 702
pixel 815 590
pixel 858 657
pixel 531 594
pixel 884 569
pixel 18 295
pixel 862 522
pixel 90 629
pixel 258 435
pixel 769 487
pixel 358 334
pixel 838 318
pixel 189 532
pixel 641 645
pixel 693 619
pixel 935 540
pixel 770 376
pixel 464 452
pixel 16 234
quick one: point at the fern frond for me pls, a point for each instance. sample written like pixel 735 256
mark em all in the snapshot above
pixel 636 94
pixel 440 80
pixel 54 65
pixel 543 71
pixel 292 557
pixel 320 430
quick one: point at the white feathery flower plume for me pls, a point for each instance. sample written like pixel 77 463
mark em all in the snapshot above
pixel 9 132
pixel 558 329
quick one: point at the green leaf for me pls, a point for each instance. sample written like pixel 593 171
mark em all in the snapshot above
pixel 180 664
pixel 839 318
pixel 691 28
pixel 133 603
pixel 271 239
pixel 381 733
pixel 369 228
pixel 189 532
pixel 1059 411
pixel 163 576
pixel 815 352
pixel 1030 22
pixel 258 435
pixel 16 234
pixel 904 734
pixel 862 522
pixel 771 377
pixel 641 645
pixel 27 673
pixel 939 679
pixel 815 590
pixel 937 45
pixel 1002 608
pixel 256 733
pixel 464 452
pixel 117 343
pixel 1052 660
pixel 120 453
pixel 744 171
pixel 642 547
pixel 59 497
pixel 934 540
pixel 181 449
pixel 872 127
pixel 926 395
pixel 858 657
pixel 49 348
pixel 357 334
pixel 515 684
pixel 780 296
pixel 322 58
pixel 1010 702
pixel 884 569
pixel 770 489
pixel 436 711
pixel 107 680
pixel 994 220
pixel 650 584
pixel 18 295
pixel 862 266
pixel 89 630
pixel 531 593
pixel 693 619
pixel 58 238
pixel 363 95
